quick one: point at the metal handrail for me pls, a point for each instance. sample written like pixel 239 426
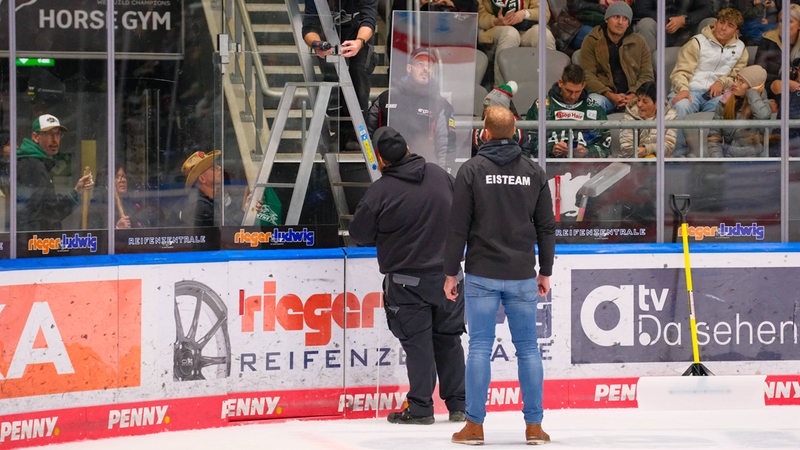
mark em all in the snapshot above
pixel 249 37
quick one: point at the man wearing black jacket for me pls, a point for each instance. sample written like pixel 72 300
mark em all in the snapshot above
pixel 404 214
pixel 355 21
pixel 501 209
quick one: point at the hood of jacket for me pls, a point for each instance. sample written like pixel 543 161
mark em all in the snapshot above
pixel 708 31
pixel 411 168
pixel 500 152
pixel 30 149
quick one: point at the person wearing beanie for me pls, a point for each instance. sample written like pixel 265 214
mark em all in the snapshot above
pixel 768 53
pixel 705 67
pixel 501 96
pixel 414 106
pixel 509 24
pixel 616 60
pixel 404 214
pixel 40 206
pixel 747 101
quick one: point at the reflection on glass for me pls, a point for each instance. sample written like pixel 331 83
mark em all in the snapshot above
pixel 603 202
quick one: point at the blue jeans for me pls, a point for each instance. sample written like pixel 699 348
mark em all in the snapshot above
pixel 483 297
pixel 684 107
pixel 604 102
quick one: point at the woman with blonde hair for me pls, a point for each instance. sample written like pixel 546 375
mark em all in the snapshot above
pixel 643 107
pixel 747 100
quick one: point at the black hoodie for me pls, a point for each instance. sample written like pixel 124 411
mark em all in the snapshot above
pixel 404 214
pixel 502 208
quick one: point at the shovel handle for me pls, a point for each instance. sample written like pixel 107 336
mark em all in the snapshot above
pixel 680 205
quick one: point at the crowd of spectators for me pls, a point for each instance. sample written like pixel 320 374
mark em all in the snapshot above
pixel 616 44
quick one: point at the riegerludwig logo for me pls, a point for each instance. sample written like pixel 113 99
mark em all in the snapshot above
pixel 622 315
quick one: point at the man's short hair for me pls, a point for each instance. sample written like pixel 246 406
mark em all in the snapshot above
pixel 731 15
pixel 573 73
pixel 499 122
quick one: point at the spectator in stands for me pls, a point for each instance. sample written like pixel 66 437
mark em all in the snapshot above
pixel 509 24
pixel 769 56
pixel 418 110
pixel 568 100
pixel 760 16
pixel 747 100
pixel 206 202
pixel 644 107
pixel 683 19
pixel 40 207
pixel 708 64
pixel 615 59
pixel 129 212
pixel 355 22
pixel 500 96
pixel 590 13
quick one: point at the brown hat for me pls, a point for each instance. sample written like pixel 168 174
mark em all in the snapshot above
pixel 198 163
pixel 391 146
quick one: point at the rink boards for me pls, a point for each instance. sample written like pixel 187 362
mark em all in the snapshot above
pixel 97 347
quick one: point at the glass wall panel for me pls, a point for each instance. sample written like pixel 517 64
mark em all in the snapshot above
pixel 603 201
pixel 5 155
pixel 61 127
pixel 731 201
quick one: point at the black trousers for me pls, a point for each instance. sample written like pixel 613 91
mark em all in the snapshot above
pixel 360 68
pixel 429 327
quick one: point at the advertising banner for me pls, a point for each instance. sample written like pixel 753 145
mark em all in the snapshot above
pixel 134 348
pixel 67 337
pixel 642 315
pixel 53 27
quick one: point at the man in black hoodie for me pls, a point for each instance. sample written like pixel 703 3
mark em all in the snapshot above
pixel 501 209
pixel 404 214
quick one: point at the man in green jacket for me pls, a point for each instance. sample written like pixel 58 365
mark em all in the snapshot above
pixel 568 100
pixel 39 206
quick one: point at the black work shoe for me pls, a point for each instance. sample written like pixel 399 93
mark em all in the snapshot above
pixel 405 417
pixel 457 416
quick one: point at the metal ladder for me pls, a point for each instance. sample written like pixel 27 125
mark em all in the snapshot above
pixel 319 93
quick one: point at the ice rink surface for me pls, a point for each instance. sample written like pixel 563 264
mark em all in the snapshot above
pixel 773 427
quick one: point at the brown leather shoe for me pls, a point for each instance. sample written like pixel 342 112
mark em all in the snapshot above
pixel 534 434
pixel 471 434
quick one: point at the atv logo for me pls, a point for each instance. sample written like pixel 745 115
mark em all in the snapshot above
pixel 642 315
pixel 649 328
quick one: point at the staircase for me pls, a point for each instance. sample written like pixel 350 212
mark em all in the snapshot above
pixel 339 180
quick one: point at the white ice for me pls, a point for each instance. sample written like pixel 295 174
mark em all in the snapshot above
pixel 773 427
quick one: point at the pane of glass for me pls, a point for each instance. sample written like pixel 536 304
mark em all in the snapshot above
pixel 602 201
pixel 433 78
pixel 62 139
pixel 5 155
pixel 731 201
